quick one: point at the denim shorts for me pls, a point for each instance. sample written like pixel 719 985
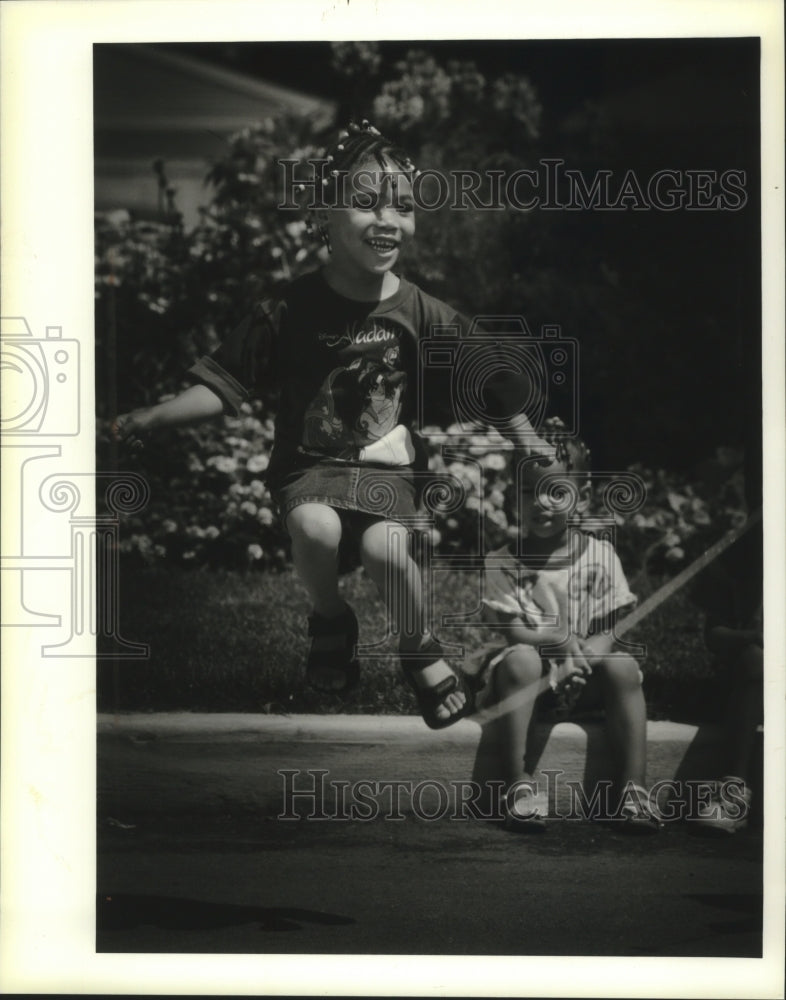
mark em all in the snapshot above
pixel 386 492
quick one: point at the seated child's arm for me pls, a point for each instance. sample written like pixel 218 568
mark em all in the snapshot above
pixel 600 640
pixel 515 630
pixel 194 404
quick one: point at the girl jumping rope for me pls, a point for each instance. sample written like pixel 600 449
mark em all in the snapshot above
pixel 341 344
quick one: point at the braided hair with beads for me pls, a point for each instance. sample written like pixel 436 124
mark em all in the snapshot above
pixel 355 145
pixel 570 451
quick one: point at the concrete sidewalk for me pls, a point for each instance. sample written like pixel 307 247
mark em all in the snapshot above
pixel 578 751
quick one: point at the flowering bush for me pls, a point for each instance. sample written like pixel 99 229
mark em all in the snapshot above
pixel 210 506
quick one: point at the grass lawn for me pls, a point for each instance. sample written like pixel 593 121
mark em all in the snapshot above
pixel 224 641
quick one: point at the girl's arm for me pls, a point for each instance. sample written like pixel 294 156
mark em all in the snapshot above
pixel 521 433
pixel 191 406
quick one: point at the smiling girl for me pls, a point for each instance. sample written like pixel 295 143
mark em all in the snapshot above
pixel 341 344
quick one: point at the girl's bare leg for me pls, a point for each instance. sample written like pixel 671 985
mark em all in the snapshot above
pixel 315 530
pixel 384 551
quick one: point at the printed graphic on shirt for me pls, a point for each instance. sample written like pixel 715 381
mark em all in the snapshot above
pixel 360 400
pixel 594 586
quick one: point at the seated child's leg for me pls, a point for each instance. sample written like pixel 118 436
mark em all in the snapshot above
pixel 517 683
pixel 728 809
pixel 384 551
pixel 520 670
pixel 745 710
pixel 626 722
pixel 626 715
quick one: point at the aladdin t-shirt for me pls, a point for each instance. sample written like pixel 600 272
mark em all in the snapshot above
pixel 347 372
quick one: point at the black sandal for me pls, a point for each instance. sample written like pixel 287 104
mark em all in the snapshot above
pixel 343 659
pixel 430 698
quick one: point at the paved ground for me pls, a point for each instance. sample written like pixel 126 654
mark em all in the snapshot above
pixel 194 857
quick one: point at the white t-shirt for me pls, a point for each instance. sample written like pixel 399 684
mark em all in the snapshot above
pixel 593 585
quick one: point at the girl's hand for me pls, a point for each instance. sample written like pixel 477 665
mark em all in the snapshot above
pixel 128 427
pixel 533 446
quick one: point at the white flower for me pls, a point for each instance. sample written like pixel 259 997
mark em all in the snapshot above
pixel 675 554
pixel 265 516
pixel 169 526
pixel 493 461
pixel 255 551
pixel 257 463
pixel 257 489
pixel 295 229
pixel 211 531
pixel 223 463
pixel 248 508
